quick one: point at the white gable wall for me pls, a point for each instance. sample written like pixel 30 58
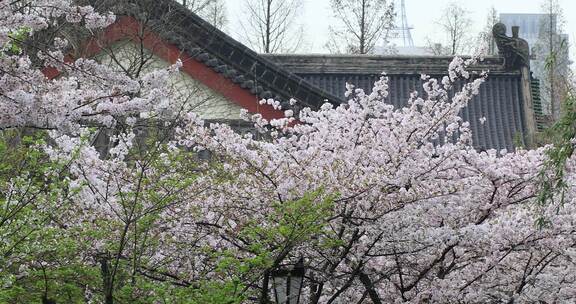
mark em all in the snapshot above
pixel 195 96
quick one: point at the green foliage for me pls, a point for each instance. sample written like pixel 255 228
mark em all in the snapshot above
pixel 37 256
pixel 292 221
pixel 518 140
pixel 15 44
pixel 551 177
pixel 217 293
pixel 551 60
pixel 43 255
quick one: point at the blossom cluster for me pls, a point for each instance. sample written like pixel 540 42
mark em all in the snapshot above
pixel 420 215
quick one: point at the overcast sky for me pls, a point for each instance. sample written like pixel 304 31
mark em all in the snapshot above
pixel 421 15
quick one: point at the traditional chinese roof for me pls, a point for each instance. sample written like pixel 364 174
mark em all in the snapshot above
pixel 499 101
pixel 315 79
pixel 226 56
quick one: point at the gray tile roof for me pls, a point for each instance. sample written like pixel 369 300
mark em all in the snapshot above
pixel 499 100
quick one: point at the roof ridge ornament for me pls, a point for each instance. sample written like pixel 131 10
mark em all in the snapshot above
pixel 515 50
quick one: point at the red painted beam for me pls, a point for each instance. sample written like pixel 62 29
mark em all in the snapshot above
pixel 128 28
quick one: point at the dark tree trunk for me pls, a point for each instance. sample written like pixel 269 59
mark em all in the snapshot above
pixel 268 27
pixel 45 300
pixel 264 297
pixel 362 49
pixel 106 281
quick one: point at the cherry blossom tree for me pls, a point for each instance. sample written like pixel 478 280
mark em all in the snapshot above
pixel 384 204
pixel 69 210
pixel 410 220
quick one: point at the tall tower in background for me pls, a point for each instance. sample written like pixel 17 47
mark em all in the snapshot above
pixel 401 32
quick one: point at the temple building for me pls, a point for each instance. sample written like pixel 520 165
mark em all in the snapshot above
pixel 225 76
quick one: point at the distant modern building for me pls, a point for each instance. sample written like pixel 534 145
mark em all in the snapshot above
pixel 530 25
pixel 537 29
